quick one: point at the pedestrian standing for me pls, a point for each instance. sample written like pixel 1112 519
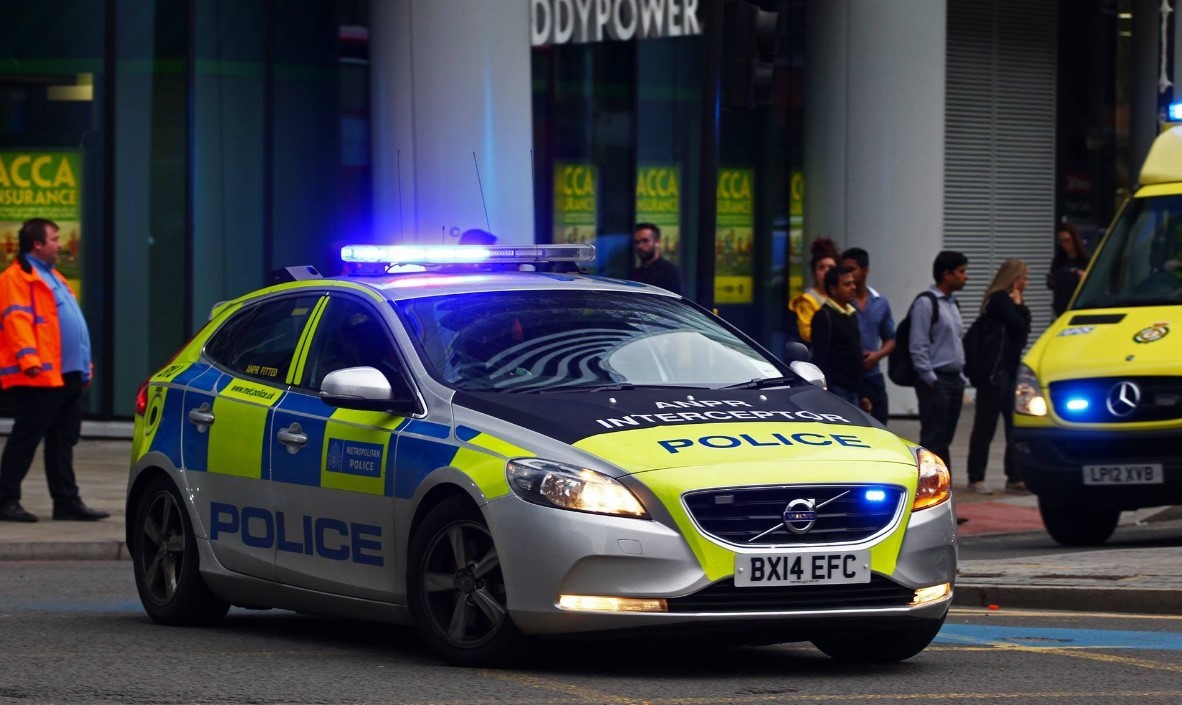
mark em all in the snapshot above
pixel 1007 318
pixel 44 368
pixel 1067 267
pixel 653 269
pixel 837 343
pixel 938 355
pixel 803 306
pixel 877 328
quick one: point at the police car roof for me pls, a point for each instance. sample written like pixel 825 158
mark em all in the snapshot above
pixel 397 287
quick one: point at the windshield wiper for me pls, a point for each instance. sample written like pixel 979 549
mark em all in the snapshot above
pixel 609 387
pixel 761 382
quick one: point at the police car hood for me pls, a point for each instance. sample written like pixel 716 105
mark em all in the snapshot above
pixel 1109 342
pixel 640 430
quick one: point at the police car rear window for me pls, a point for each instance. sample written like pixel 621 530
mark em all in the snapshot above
pixel 527 341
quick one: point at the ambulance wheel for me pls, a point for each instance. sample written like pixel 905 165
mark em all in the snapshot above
pixel 884 645
pixel 1078 525
pixel 164 553
pixel 456 590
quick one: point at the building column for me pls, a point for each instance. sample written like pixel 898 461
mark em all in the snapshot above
pixel 451 118
pixel 874 140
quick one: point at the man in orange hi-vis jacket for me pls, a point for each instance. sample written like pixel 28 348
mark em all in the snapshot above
pixel 44 368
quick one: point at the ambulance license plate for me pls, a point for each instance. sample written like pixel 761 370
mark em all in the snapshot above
pixel 831 568
pixel 1144 474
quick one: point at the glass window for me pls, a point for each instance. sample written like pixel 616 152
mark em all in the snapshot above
pixel 529 341
pixel 1141 261
pixel 261 342
pixel 350 334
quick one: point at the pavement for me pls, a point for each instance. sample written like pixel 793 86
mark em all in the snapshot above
pixel 1129 579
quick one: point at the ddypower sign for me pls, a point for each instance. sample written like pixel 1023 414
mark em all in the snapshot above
pixel 584 21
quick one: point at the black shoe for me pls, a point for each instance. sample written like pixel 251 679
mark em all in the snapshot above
pixel 13 511
pixel 74 509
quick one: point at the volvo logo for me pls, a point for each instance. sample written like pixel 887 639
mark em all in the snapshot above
pixel 1123 398
pixel 800 515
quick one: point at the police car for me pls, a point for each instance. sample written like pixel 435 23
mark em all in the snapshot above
pixel 495 455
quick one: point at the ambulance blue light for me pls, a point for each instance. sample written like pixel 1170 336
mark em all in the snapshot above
pixel 875 495
pixel 1175 112
pixel 1077 404
pixel 465 254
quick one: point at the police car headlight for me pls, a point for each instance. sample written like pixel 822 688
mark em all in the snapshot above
pixel 1028 398
pixel 935 482
pixel 554 484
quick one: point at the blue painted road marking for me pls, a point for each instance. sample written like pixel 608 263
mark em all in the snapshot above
pixel 980 635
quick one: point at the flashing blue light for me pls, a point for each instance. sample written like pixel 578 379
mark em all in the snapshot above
pixel 1077 404
pixel 1175 111
pixel 875 495
pixel 465 254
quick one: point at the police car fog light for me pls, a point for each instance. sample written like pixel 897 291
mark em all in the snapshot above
pixel 593 603
pixel 931 594
pixel 563 486
pixel 935 482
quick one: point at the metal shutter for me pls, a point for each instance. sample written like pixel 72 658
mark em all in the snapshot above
pixel 999 150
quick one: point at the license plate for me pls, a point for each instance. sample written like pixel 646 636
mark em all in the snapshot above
pixel 833 568
pixel 1146 474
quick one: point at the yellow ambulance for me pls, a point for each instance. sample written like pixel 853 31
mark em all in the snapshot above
pixel 1098 400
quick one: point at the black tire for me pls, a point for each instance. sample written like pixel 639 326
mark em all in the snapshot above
pixel 1078 525
pixel 881 645
pixel 164 555
pixel 458 602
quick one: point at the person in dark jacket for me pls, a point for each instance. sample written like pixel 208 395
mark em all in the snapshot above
pixel 1067 267
pixel 837 343
pixel 1004 310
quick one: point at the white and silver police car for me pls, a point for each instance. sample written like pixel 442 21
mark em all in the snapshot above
pixel 496 455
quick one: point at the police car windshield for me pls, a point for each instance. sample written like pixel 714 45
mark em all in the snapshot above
pixel 531 341
pixel 1140 263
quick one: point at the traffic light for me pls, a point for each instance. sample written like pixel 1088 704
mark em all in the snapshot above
pixel 748 54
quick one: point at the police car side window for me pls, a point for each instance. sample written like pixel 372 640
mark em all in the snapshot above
pixel 261 343
pixel 350 334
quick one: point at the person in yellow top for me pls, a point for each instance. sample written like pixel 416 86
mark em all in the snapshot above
pixel 805 305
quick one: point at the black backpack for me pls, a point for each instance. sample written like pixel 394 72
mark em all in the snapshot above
pixel 900 366
pixel 983 345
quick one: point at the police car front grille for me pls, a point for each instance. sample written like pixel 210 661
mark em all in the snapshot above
pixel 1157 399
pixel 723 596
pixel 755 516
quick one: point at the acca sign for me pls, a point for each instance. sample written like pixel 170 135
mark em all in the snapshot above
pixel 584 21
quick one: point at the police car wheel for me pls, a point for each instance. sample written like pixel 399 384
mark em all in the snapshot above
pixel 882 645
pixel 456 589
pixel 164 553
pixel 1078 525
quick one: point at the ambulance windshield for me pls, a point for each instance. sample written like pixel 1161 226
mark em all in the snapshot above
pixel 1140 262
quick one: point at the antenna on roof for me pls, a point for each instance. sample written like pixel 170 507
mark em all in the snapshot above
pixel 482 201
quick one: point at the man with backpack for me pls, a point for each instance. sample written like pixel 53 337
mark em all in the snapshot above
pixel 937 354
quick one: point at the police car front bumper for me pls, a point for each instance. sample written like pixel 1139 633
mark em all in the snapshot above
pixel 572 553
pixel 1125 470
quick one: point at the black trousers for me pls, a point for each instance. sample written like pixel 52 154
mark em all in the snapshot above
pixel 50 413
pixel 991 401
pixel 879 404
pixel 939 411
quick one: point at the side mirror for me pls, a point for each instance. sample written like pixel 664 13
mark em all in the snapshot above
pixel 796 351
pixel 364 388
pixel 808 372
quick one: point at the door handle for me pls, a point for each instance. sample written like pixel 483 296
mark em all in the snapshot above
pixel 201 417
pixel 292 437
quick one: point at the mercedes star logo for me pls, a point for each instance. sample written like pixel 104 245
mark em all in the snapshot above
pixel 1123 398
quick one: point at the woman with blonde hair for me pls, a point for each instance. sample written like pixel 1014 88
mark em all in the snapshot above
pixel 1004 324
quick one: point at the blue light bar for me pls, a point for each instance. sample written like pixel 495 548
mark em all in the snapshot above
pixel 1077 404
pixel 466 254
pixel 1175 112
pixel 875 495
